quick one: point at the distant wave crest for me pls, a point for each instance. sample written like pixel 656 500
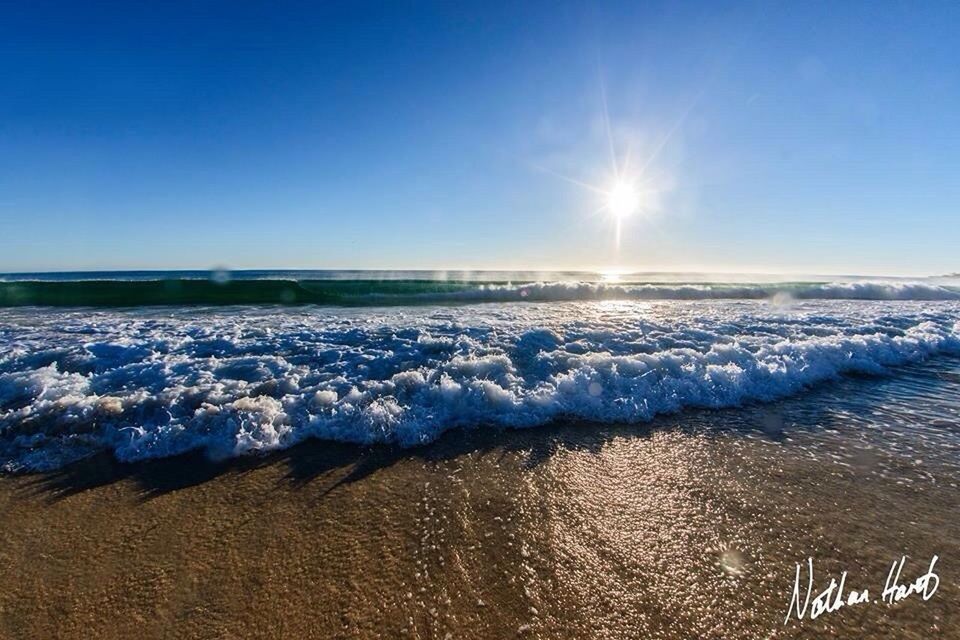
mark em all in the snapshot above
pixel 198 291
pixel 571 291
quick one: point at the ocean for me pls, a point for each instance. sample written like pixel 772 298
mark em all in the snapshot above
pixel 146 365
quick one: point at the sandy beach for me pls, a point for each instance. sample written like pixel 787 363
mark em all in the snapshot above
pixel 476 321
pixel 690 526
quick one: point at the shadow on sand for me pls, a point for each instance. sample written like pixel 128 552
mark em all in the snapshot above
pixel 336 464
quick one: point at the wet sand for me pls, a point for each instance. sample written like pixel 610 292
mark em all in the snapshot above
pixel 688 527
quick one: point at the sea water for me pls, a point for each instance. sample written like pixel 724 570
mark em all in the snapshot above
pixel 234 366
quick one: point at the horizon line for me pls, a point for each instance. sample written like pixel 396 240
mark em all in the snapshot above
pixel 598 271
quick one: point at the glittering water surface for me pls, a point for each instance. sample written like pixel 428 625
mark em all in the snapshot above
pixel 693 527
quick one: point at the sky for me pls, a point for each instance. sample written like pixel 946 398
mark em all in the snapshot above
pixel 778 137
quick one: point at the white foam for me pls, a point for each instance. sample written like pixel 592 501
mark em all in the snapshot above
pixel 775 292
pixel 146 384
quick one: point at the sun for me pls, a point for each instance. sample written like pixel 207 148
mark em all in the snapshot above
pixel 622 199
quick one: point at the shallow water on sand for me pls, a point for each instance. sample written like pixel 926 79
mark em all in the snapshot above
pixel 690 526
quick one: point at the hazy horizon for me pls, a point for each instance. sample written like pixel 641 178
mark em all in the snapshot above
pixel 532 272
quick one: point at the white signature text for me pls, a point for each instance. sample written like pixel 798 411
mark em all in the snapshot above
pixel 837 595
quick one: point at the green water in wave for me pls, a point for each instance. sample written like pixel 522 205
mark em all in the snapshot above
pixel 134 293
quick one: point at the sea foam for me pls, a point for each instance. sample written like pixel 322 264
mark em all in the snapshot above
pixel 152 383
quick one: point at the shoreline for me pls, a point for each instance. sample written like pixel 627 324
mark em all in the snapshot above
pixel 693 523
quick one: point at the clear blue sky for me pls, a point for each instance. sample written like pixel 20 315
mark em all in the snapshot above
pixel 799 136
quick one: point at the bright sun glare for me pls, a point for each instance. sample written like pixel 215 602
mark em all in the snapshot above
pixel 622 200
pixel 631 188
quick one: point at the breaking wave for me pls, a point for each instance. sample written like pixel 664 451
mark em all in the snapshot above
pixel 361 292
pixel 784 292
pixel 232 381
